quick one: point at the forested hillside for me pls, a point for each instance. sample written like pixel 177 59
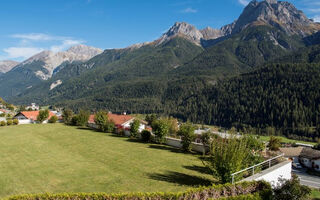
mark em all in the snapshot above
pixel 284 96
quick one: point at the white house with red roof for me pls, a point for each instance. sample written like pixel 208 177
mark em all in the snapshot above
pixel 30 117
pixel 122 122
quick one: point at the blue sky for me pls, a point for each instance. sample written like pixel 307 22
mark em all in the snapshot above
pixel 30 26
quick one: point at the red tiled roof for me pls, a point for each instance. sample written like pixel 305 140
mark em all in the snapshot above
pixel 4 111
pixel 34 114
pixel 117 119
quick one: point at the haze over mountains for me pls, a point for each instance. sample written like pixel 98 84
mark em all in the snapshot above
pixel 187 72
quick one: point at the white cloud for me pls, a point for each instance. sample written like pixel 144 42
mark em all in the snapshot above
pixel 36 37
pixel 189 10
pixel 316 18
pixel 244 2
pixel 21 52
pixel 314 10
pixel 32 43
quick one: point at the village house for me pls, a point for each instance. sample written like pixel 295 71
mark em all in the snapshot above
pixel 30 117
pixel 308 157
pixel 33 106
pixel 122 122
pixel 292 153
pixel 3 111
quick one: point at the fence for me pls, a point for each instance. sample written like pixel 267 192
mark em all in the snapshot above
pixel 250 171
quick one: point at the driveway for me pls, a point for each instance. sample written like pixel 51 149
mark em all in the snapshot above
pixel 306 179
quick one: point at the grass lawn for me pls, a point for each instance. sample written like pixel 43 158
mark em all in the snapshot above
pixel 315 194
pixel 58 158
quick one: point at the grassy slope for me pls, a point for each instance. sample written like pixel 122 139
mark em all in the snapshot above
pixel 57 158
pixel 286 140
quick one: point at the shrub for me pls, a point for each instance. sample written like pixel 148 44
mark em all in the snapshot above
pixel 82 118
pixel 134 128
pixel 67 116
pixel 291 189
pixel 241 191
pixel 15 121
pixel 74 120
pixel 3 123
pixel 161 129
pixel 274 143
pixel 9 122
pixel 53 119
pixel 146 136
pixel 188 136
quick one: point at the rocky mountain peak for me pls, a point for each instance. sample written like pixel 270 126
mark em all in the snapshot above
pixel 84 50
pixel 48 61
pixel 182 29
pixel 7 65
pixel 279 14
pixel 210 33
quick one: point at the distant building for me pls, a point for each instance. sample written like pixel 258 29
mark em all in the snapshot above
pixel 32 107
pixel 308 157
pixel 30 117
pixel 122 122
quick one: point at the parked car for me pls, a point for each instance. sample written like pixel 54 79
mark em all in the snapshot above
pixel 297 165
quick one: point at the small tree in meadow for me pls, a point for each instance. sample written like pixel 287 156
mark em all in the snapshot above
pixel 53 119
pixel 188 136
pixel 82 118
pixel 228 156
pixel 15 121
pixel 134 128
pixel 100 119
pixel 43 115
pixel 9 122
pixel 161 129
pixel 3 123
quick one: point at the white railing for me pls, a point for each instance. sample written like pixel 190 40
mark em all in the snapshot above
pixel 250 171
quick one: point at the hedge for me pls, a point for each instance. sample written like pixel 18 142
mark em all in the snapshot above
pixel 242 191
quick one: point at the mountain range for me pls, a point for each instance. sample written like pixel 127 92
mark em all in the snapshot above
pixel 189 73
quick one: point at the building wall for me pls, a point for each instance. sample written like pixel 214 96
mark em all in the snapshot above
pixel 177 143
pixel 273 174
pixel 317 163
pixel 25 121
pixel 306 162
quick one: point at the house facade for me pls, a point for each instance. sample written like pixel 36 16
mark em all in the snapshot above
pixel 310 158
pixel 30 117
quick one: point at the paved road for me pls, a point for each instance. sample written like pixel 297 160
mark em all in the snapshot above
pixel 306 179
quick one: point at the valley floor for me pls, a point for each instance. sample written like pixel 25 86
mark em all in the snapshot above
pixel 57 158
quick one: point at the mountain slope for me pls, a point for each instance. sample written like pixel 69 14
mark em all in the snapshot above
pixel 242 52
pixel 7 65
pixel 40 67
pixel 115 73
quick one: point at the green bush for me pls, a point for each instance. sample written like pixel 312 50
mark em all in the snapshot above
pixel 241 191
pixel 3 123
pixel 53 119
pixel 9 122
pixel 145 136
pixel 15 121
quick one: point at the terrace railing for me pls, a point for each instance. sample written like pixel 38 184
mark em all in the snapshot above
pixel 250 171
